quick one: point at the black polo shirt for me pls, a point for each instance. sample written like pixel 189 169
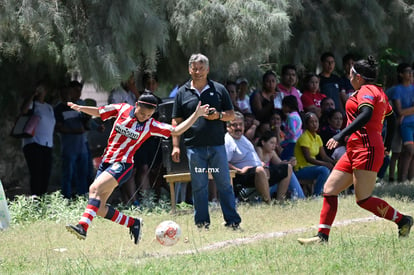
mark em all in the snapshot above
pixel 204 132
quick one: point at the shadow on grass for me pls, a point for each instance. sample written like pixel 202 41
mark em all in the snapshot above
pixel 397 190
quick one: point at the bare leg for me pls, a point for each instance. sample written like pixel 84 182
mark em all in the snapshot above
pixel 262 184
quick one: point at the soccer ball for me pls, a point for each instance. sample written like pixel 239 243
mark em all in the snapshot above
pixel 168 233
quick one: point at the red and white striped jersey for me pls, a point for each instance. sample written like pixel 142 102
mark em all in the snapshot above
pixel 128 134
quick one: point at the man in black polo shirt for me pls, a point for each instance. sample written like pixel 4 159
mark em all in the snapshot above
pixel 205 141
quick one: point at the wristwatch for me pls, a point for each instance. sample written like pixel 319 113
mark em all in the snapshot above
pixel 220 115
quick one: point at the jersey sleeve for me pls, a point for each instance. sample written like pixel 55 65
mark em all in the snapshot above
pixel 366 97
pixel 160 129
pixel 109 111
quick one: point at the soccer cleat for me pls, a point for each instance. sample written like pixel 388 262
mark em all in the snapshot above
pixel 320 238
pixel 77 230
pixel 404 226
pixel 135 231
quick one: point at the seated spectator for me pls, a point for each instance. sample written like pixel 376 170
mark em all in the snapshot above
pixel 263 102
pixel 243 158
pixel 276 128
pixel 276 169
pixel 335 120
pixel 307 150
pixel 288 81
pixel 261 129
pixel 250 126
pixel 312 96
pixel 292 126
pixel 232 89
pixel 243 99
pixel 327 104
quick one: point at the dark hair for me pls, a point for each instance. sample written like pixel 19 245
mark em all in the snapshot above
pixel 265 137
pixel 147 100
pixel 325 55
pixel 347 57
pixel 307 116
pixel 75 84
pixel 330 113
pixel 367 68
pixel 307 78
pixel 291 102
pixel 400 69
pixel 287 67
pixel 267 74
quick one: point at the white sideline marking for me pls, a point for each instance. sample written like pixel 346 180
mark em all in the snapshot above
pixel 247 240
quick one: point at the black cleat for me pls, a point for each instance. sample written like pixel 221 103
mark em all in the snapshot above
pixel 77 230
pixel 404 226
pixel 320 238
pixel 135 231
pixel 235 226
pixel 205 225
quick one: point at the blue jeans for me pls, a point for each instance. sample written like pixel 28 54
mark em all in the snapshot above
pixel 294 188
pixel 75 169
pixel 215 158
pixel 314 172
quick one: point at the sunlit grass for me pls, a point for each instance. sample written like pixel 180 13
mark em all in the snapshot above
pixel 37 242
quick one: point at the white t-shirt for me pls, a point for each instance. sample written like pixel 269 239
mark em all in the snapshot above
pixel 240 152
pixel 46 126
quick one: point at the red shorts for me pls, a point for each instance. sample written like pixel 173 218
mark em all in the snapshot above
pixel 361 158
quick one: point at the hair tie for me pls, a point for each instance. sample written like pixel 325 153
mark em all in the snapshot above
pixel 143 102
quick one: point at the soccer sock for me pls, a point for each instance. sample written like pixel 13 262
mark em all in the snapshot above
pixel 328 213
pixel 116 216
pixel 90 213
pixel 380 208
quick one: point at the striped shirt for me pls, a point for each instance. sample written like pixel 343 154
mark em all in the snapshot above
pixel 127 133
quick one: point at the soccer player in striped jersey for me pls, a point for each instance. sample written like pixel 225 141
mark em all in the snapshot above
pixel 366 109
pixel 133 125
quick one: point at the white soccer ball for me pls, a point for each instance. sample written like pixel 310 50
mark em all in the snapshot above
pixel 168 233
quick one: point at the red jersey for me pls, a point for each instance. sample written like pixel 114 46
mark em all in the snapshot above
pixel 128 134
pixel 370 134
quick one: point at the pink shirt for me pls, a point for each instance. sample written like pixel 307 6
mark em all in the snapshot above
pixel 292 91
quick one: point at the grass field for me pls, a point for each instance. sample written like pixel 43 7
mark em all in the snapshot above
pixel 37 242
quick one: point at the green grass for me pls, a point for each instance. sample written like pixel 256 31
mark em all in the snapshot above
pixel 37 242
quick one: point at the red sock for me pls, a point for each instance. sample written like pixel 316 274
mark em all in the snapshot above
pixel 90 213
pixel 116 216
pixel 380 208
pixel 328 213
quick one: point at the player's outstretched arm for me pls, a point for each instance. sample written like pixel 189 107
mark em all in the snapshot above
pixel 93 111
pixel 183 126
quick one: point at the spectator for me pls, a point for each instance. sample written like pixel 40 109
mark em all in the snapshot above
pixel 292 126
pixel 307 150
pixel 312 97
pixel 276 168
pixel 250 128
pixel 288 81
pixel 205 141
pixel 38 149
pixel 126 93
pixel 330 83
pixel 348 61
pixel 70 126
pixel 263 102
pixel 326 132
pixel 243 158
pixel 276 128
pixel 232 89
pixel 403 98
pixel 243 95
pixel 148 158
pixel 327 104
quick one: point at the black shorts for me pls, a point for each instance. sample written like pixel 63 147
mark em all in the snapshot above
pixel 245 180
pixel 277 173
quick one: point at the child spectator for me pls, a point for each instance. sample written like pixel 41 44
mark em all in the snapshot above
pixel 292 126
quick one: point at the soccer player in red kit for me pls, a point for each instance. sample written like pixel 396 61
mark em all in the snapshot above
pixel 365 109
pixel 133 125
